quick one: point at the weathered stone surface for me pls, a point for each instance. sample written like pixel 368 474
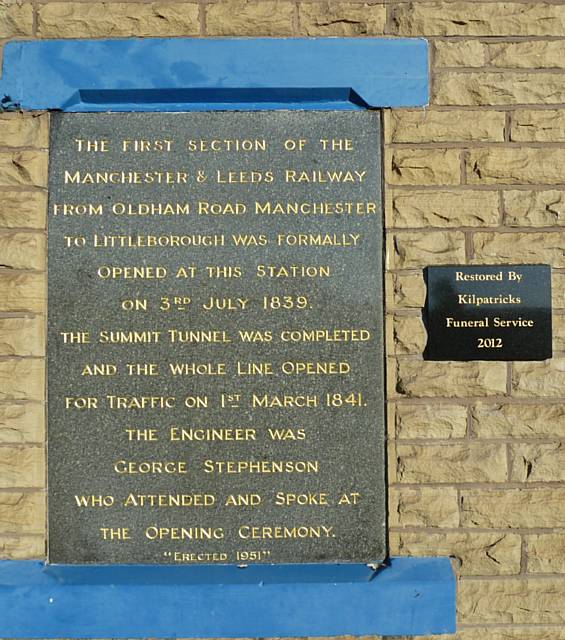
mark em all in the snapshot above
pixel 495 88
pixel 515 166
pixel 451 463
pixel 413 421
pixel 250 18
pixel 22 336
pixel 519 601
pixel 539 379
pixel 423 507
pixel 546 553
pixel 23 250
pixel 22 291
pixel 19 129
pixel 559 332
pixel 526 248
pixel 417 378
pixel 408 334
pixel 23 169
pixel 25 209
pixel 16 19
pixel 22 423
pixel 478 18
pixel 432 125
pixel 479 554
pixel 462 53
pixel 22 512
pixel 535 54
pixel 22 379
pixel 412 250
pixel 22 547
pixel 21 467
pixel 534 208
pixel 442 208
pixel 518 420
pixel 406 291
pixel 557 289
pixel 332 18
pixel 513 508
pixel 546 125
pixel 538 462
pixel 423 166
pixel 510 633
pixel 117 19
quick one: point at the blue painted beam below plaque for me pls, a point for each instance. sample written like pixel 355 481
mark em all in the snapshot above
pixel 188 74
pixel 413 596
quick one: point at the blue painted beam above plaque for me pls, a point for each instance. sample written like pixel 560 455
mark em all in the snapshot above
pixel 187 74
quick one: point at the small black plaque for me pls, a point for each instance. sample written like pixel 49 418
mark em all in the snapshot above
pixel 215 358
pixel 498 312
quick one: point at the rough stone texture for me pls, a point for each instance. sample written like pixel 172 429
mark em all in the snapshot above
pixel 22 250
pixel 526 248
pixel 451 463
pixel 478 553
pixel 513 508
pixel 423 166
pixel 406 290
pixel 546 553
pixel 21 467
pixel 490 88
pixel 24 130
pixel 515 166
pixel 22 336
pixel 413 421
pixel 557 288
pixel 463 53
pixel 23 209
pixel 22 423
pixel 539 379
pixel 22 291
pixel 518 420
pixel 509 633
pixel 23 169
pixel 117 19
pixel 538 462
pixel 16 19
pixel 250 18
pixel 538 126
pixel 22 512
pixel 423 507
pixel 534 208
pixel 332 18
pixel 442 208
pixel 22 379
pixel 537 54
pixel 416 378
pixel 430 125
pixel 408 334
pixel 22 548
pixel 417 250
pixel 558 332
pixel 532 601
pixel 478 19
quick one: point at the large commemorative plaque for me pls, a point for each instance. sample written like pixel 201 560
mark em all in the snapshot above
pixel 215 351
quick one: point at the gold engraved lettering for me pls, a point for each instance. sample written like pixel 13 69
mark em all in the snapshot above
pixel 301 499
pixel 316 208
pixel 261 466
pixel 318 239
pixel 134 468
pixel 222 434
pixel 324 176
pixel 115 533
pixel 182 533
pixel 140 146
pixel 267 401
pixel 278 532
pixel 78 209
pixel 142 435
pixel 243 500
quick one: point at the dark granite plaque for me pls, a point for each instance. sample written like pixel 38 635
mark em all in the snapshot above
pixel 215 338
pixel 498 312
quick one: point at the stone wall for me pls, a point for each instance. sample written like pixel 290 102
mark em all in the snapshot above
pixel 477 462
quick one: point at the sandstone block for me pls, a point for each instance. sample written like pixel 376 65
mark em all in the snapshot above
pixel 417 378
pixel 462 53
pixel 513 508
pixel 479 554
pixel 22 423
pixel 25 209
pixel 451 463
pixel 442 208
pixel 22 379
pixel 470 18
pixel 431 125
pixel 492 88
pixel 22 291
pixel 423 166
pixel 423 507
pixel 538 126
pixel 411 250
pixel 557 289
pixel 515 166
pixel 21 467
pixel 22 336
pixel 16 19
pixel 539 379
pixel 19 129
pixel 250 18
pixel 22 548
pixel 546 553
pixel 534 208
pixel 23 169
pixel 511 633
pixel 23 250
pixel 534 54
pixel 406 291
pixel 332 18
pixel 117 19
pixel 408 334
pixel 538 462
pixel 412 421
pixel 558 332
pixel 527 248
pixel 22 512
pixel 518 420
